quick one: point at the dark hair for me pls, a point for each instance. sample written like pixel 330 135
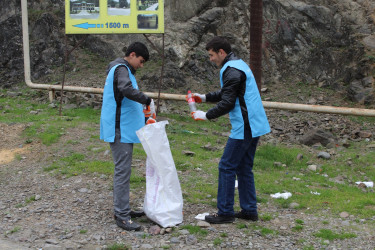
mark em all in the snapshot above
pixel 140 50
pixel 219 42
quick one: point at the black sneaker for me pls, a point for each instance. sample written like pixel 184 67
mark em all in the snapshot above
pixel 219 219
pixel 135 214
pixel 127 225
pixel 242 215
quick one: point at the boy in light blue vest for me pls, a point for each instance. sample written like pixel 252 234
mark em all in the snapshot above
pixel 239 96
pixel 122 114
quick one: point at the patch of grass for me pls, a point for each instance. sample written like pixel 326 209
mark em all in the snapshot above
pixel 266 217
pixel 83 231
pixel 309 247
pixel 299 221
pixel 328 234
pixel 332 195
pixel 19 205
pixel 117 246
pixel 31 199
pixel 137 180
pixel 45 125
pixel 265 231
pixel 362 120
pixel 223 235
pixel 27 201
pixel 195 230
pixel 75 164
pixel 18 157
pixel 14 230
pixel 297 228
pixel 241 226
pixel 73 142
pixel 217 241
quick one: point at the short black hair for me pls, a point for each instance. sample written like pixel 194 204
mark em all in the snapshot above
pixel 140 50
pixel 217 43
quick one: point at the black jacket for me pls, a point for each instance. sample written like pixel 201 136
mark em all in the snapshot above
pixel 234 85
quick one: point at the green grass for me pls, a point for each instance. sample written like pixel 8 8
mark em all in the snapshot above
pixel 46 126
pixel 223 235
pixel 198 174
pixel 300 222
pixel 14 230
pixel 297 228
pixel 117 246
pixel 241 226
pixel 31 199
pixel 328 234
pixel 195 230
pixel 266 217
pixel 265 231
pixel 27 201
pixel 310 247
pixel 75 164
pixel 217 241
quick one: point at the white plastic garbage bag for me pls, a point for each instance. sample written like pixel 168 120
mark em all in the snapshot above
pixel 163 200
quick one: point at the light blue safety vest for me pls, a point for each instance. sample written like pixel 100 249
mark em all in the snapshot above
pixel 131 119
pixel 257 116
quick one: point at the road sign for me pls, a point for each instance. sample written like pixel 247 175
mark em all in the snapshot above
pixel 114 16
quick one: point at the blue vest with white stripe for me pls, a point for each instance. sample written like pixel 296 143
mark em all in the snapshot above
pixel 257 116
pixel 131 119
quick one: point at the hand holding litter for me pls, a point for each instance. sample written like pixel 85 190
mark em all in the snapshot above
pixel 198 98
pixel 150 121
pixel 149 111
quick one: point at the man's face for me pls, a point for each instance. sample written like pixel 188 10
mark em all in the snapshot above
pixel 135 61
pixel 218 57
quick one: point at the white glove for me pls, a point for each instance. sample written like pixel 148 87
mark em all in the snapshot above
pixel 199 115
pixel 199 98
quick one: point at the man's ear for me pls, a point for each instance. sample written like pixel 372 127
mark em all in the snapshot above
pixel 133 54
pixel 222 52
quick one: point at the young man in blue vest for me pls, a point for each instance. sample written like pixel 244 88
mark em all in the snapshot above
pixel 239 96
pixel 122 114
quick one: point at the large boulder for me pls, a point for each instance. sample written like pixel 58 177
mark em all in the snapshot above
pixel 362 91
pixel 317 136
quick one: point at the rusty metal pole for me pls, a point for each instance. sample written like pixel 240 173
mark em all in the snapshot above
pixel 256 26
pixel 161 76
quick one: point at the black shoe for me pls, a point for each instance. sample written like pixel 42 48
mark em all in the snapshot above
pixel 135 214
pixel 219 219
pixel 127 225
pixel 242 215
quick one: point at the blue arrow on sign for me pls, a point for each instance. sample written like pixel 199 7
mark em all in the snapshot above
pixel 85 25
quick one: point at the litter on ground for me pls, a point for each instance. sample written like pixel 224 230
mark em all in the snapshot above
pixel 285 195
